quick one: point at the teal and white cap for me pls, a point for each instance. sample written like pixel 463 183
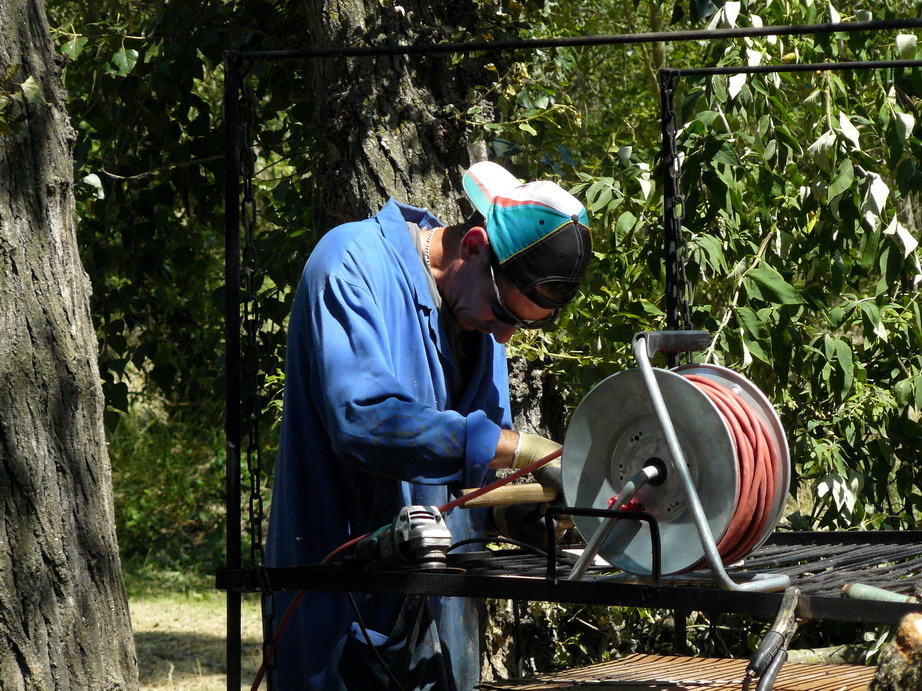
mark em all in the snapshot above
pixel 539 232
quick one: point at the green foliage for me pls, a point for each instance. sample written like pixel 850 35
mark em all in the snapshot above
pixel 169 504
pixel 145 85
pixel 802 226
pixel 15 98
pixel 821 303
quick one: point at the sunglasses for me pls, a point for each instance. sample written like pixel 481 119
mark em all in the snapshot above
pixel 507 316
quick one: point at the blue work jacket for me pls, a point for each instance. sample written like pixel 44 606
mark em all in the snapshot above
pixel 370 425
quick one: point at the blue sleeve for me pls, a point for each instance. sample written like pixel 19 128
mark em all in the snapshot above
pixel 374 413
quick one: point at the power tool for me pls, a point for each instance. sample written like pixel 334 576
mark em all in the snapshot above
pixel 416 539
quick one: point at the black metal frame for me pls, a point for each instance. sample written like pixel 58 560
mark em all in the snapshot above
pixel 237 580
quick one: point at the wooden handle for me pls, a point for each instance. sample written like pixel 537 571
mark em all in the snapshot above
pixel 532 493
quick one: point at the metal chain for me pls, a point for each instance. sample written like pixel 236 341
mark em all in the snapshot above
pixel 674 205
pixel 251 360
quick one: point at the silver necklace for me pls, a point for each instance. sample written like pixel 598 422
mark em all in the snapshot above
pixel 426 253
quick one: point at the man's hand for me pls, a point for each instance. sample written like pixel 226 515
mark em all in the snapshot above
pixel 531 448
pixel 526 522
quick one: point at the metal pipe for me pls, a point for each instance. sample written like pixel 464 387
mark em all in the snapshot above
pixel 630 489
pixel 802 67
pixel 232 341
pixel 582 41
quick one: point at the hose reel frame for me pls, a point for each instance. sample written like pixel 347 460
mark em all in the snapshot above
pixel 619 428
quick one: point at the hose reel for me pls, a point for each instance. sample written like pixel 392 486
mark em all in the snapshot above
pixel 699 447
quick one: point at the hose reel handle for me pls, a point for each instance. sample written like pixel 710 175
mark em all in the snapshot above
pixel 673 341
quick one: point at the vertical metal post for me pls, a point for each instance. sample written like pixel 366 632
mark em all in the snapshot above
pixel 680 631
pixel 232 363
pixel 671 231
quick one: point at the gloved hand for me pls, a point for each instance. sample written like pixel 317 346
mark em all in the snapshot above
pixel 533 447
pixel 526 522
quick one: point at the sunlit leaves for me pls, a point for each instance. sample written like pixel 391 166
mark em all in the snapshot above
pixel 805 189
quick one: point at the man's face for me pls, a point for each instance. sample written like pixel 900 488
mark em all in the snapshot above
pixel 485 301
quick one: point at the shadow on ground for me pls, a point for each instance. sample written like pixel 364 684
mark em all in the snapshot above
pixel 181 645
pixel 168 659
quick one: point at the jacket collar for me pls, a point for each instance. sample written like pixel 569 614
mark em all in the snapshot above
pixel 393 219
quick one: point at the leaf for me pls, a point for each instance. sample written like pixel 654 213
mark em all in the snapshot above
pixel 74 47
pixel 906 46
pixel 754 332
pixel 878 192
pixel 904 124
pixel 849 131
pixel 625 222
pixel 725 18
pixel 823 150
pixel 645 185
pixel 707 117
pixel 846 363
pixel 602 200
pixel 525 127
pixel 844 179
pixel 902 392
pixel 32 91
pixel 899 230
pixel 772 285
pixel 735 84
pixel 124 60
pixel 872 320
pixel 93 181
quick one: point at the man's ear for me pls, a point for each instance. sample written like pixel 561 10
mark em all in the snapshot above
pixel 474 242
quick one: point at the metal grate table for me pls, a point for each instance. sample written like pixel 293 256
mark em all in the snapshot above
pixel 817 563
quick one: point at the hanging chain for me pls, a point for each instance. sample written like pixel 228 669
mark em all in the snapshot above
pixel 251 324
pixel 678 287
pixel 673 201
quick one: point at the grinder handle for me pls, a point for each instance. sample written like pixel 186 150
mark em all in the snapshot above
pixel 674 341
pixel 532 493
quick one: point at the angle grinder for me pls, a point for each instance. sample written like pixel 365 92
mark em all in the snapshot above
pixel 416 539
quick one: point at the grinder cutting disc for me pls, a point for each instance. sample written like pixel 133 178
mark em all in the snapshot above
pixel 614 433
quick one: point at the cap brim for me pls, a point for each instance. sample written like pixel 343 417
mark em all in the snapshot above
pixel 484 180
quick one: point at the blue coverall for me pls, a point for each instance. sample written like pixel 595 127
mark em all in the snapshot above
pixel 370 424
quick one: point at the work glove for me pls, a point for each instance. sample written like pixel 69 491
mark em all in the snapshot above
pixel 526 522
pixel 532 448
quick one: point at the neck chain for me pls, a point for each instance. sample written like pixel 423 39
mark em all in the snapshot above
pixel 426 253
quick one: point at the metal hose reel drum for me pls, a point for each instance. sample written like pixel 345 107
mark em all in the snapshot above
pixel 615 432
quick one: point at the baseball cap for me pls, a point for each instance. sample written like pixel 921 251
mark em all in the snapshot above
pixel 539 232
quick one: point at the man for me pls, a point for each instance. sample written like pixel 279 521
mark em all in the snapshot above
pixel 396 394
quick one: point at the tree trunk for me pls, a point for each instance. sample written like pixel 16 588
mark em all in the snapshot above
pixel 392 126
pixel 64 620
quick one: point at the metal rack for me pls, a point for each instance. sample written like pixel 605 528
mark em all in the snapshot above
pixel 818 563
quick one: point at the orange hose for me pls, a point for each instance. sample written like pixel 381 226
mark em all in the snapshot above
pixel 757 461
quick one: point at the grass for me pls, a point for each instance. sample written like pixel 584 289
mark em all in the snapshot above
pixel 180 633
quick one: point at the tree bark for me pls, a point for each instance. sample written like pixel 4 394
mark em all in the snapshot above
pixel 64 620
pixel 392 126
